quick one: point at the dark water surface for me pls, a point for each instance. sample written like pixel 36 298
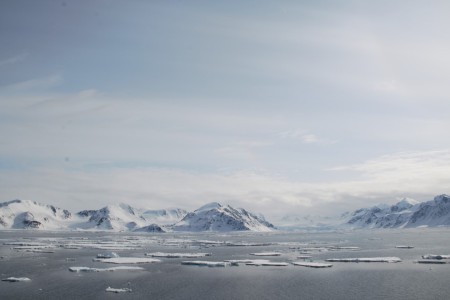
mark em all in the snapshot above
pixel 51 279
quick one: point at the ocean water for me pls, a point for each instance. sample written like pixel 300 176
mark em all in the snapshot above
pixel 169 279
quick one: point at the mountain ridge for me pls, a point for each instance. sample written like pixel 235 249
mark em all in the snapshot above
pixel 27 214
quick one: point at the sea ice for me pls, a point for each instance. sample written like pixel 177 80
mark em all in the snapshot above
pixel 366 259
pixel 204 263
pixel 431 261
pixel 266 254
pixel 335 248
pixel 236 262
pixel 88 269
pixel 434 256
pixel 312 264
pixel 128 260
pixel 267 264
pixel 113 290
pixel 245 244
pixel 107 255
pixel 177 255
pixel 16 279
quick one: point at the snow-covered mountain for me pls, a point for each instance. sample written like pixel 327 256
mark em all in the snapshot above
pixel 215 217
pixel 24 214
pixel 117 217
pixel 406 213
pixel 165 216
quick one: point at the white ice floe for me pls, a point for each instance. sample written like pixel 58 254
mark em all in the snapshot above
pixel 16 279
pixel 204 263
pixel 128 260
pixel 351 248
pixel 311 264
pixel 404 247
pixel 245 244
pixel 431 261
pixel 434 256
pixel 177 255
pixel 267 263
pixel 88 269
pixel 266 254
pixel 107 255
pixel 113 290
pixel 237 262
pixel 366 259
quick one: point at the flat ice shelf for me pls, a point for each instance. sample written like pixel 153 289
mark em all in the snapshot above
pixel 366 259
pixel 311 264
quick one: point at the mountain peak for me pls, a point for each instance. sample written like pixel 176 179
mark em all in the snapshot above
pixel 209 206
pixel 442 198
pixel 406 202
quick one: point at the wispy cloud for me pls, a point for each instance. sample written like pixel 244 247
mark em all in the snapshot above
pixel 38 83
pixel 416 174
pixel 304 136
pixel 14 59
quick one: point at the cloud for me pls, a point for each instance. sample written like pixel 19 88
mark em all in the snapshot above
pixel 38 83
pixel 304 136
pixel 246 150
pixel 419 175
pixel 14 59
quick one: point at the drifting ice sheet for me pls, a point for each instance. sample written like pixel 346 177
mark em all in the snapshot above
pixel 16 279
pixel 434 256
pixel 311 264
pixel 128 260
pixel 113 290
pixel 107 255
pixel 366 259
pixel 88 269
pixel 431 261
pixel 203 263
pixel 177 255
pixel 266 254
pixel 265 263
pixel 255 262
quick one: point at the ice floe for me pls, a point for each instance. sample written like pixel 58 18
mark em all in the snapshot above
pixel 16 279
pixel 237 262
pixel 267 263
pixel 434 256
pixel 245 244
pixel 114 290
pixel 88 269
pixel 203 263
pixel 366 259
pixel 107 255
pixel 128 260
pixel 431 261
pixel 177 255
pixel 337 248
pixel 311 264
pixel 266 254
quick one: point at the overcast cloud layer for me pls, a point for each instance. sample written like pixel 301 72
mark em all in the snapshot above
pixel 276 106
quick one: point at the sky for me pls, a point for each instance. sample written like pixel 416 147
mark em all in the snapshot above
pixel 280 107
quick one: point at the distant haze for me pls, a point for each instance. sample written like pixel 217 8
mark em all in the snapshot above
pixel 280 107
